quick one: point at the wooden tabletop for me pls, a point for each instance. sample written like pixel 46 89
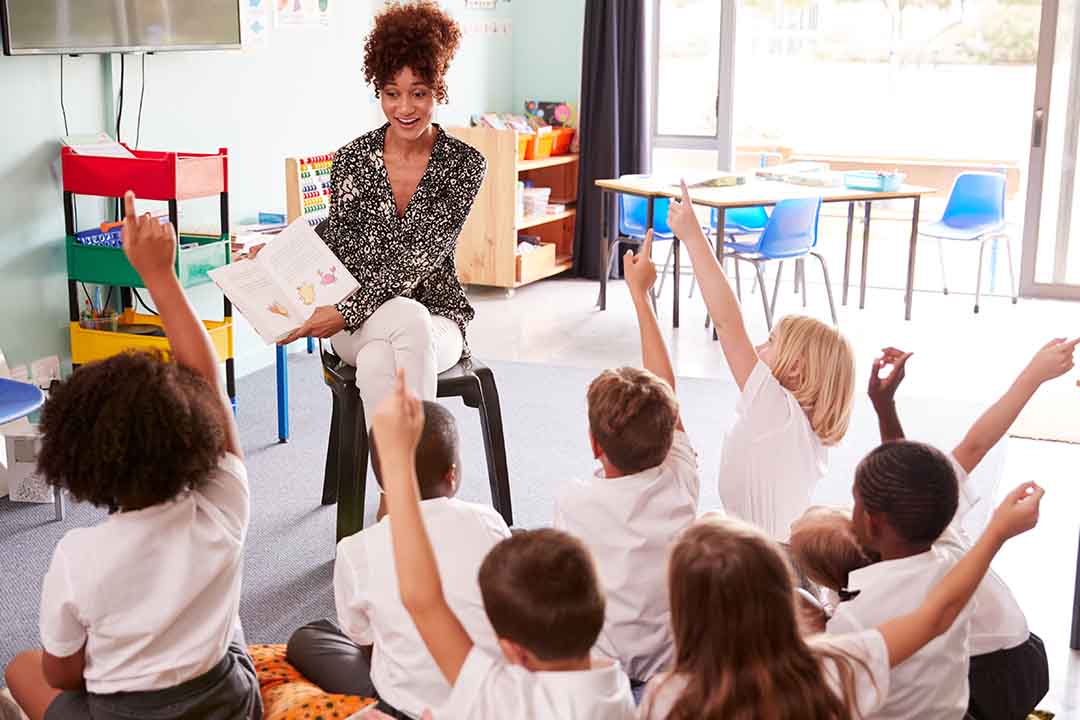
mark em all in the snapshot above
pixel 757 192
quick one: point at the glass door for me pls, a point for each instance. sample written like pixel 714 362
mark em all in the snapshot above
pixel 1050 265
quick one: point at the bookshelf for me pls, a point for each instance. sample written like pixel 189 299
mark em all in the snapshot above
pixel 486 250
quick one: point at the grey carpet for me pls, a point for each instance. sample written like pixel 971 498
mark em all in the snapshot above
pixel 290 547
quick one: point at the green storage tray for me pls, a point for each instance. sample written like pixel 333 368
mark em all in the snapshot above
pixel 197 256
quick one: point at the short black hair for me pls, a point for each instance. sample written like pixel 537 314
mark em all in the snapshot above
pixel 911 484
pixel 540 590
pixel 131 431
pixel 437 451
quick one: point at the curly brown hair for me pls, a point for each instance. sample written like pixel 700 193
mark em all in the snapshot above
pixel 131 431
pixel 632 416
pixel 417 35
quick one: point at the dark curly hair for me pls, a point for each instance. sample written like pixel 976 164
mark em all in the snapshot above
pixel 913 485
pixel 416 35
pixel 131 431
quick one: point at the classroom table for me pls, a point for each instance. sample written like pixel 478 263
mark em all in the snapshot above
pixel 762 192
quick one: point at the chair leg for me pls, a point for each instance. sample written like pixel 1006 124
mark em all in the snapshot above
pixel 738 282
pixel 664 272
pixel 776 288
pixel 330 473
pixel 352 467
pixel 1013 290
pixel 802 279
pixel 495 445
pixel 612 259
pixel 978 280
pixel 941 259
pixel 828 287
pixel 764 295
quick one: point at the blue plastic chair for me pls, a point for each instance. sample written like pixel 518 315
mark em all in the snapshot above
pixel 634 223
pixel 790 234
pixel 975 212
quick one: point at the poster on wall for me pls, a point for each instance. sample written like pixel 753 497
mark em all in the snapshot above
pixel 257 20
pixel 302 13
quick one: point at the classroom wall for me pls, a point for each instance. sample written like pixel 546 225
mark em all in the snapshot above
pixel 301 93
pixel 547 51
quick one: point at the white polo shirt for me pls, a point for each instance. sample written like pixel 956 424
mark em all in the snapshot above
pixel 771 460
pixel 369 605
pixel 629 524
pixel 871 676
pixel 932 683
pixel 491 689
pixel 153 593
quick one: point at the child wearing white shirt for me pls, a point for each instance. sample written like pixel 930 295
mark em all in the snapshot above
pixel 643 495
pixel 540 593
pixel 739 651
pixel 373 649
pixel 139 614
pixel 796 394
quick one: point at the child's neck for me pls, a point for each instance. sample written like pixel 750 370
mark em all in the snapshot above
pixel 897 550
pixel 572 665
pixel 610 471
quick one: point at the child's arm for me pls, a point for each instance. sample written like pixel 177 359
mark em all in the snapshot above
pixel 397 424
pixel 1053 360
pixel 151 247
pixel 65 673
pixel 640 277
pixel 882 392
pixel 906 635
pixel 719 298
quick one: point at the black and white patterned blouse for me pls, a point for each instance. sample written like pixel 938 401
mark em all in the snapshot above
pixel 410 256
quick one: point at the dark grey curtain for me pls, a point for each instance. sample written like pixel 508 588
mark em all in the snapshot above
pixel 613 114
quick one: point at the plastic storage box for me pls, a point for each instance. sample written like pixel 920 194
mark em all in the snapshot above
pixel 151 175
pixel 873 181
pixel 90 345
pixel 540 146
pixel 563 139
pixel 106 265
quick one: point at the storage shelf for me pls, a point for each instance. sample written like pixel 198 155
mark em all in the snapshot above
pixel 109 266
pixel 90 345
pixel 523 165
pixel 533 220
pixel 562 264
pixel 151 175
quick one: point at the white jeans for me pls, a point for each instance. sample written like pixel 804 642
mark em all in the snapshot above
pixel 400 334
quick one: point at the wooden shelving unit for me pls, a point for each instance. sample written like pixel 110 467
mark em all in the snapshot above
pixel 486 252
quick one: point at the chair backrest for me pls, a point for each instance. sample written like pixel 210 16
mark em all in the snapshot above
pixel 977 198
pixel 634 214
pixel 743 218
pixel 792 228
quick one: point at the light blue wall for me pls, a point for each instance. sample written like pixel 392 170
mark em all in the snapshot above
pixel 302 93
pixel 547 51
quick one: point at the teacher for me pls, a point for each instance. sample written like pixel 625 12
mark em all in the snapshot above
pixel 399 197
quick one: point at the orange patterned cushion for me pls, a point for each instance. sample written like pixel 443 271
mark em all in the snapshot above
pixel 288 695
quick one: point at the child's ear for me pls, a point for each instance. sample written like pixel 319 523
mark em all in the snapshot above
pixel 596 451
pixel 514 653
pixel 450 479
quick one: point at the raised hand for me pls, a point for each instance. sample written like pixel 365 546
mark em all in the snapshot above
pixel 397 424
pixel 681 217
pixel 639 269
pixel 1054 359
pixel 1017 513
pixel 882 390
pixel 150 246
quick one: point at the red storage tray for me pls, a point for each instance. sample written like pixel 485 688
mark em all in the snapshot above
pixel 152 175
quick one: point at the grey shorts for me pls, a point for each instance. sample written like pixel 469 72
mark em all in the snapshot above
pixel 228 691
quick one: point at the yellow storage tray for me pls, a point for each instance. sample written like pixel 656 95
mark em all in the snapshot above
pixel 90 345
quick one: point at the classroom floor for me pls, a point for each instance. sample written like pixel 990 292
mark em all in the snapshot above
pixel 959 357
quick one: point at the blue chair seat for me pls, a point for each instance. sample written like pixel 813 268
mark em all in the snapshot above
pixel 18 399
pixel 747 248
pixel 954 230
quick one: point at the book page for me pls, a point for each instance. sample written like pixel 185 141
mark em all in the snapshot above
pixel 255 295
pixel 302 266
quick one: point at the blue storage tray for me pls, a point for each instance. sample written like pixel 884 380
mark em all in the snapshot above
pixel 99 239
pixel 873 181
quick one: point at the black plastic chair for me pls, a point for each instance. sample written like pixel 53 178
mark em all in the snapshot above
pixel 345 477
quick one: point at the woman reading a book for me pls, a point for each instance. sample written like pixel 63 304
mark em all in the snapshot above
pixel 399 197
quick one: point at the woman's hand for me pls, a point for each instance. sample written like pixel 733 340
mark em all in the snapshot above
pixel 324 322
pixel 253 251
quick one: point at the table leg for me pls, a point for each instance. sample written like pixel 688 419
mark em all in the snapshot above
pixel 865 255
pixel 604 242
pixel 909 294
pixel 675 282
pixel 720 222
pixel 1074 641
pixel 282 366
pixel 847 248
pixel 649 217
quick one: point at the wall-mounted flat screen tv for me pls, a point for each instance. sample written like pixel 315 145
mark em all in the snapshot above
pixel 61 27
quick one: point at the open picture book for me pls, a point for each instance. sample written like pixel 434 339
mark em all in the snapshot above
pixel 290 277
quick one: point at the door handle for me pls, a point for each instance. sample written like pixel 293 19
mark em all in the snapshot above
pixel 1037 128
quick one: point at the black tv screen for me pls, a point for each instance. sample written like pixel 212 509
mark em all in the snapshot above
pixel 58 27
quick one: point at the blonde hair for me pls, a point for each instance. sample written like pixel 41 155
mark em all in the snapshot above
pixel 816 363
pixel 738 643
pixel 632 417
pixel 823 545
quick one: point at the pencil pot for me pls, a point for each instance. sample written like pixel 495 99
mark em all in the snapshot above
pixel 107 321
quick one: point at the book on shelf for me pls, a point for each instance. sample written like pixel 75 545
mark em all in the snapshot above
pixel 281 287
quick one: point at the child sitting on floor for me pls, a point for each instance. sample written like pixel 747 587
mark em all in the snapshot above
pixel 540 593
pixel 398 669
pixel 796 393
pixel 139 614
pixel 824 547
pixel 1008 672
pixel 739 651
pixel 643 495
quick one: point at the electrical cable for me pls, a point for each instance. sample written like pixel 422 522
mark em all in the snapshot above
pixel 120 109
pixel 142 95
pixel 146 307
pixel 63 110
